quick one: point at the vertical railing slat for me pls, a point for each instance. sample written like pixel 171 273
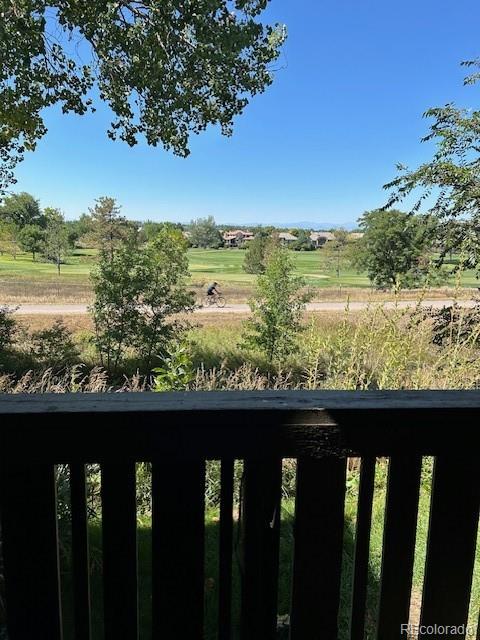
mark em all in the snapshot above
pixel 399 535
pixel 225 550
pixel 362 548
pixel 451 543
pixel 80 557
pixel 178 536
pixel 30 551
pixel 260 548
pixel 319 523
pixel 119 532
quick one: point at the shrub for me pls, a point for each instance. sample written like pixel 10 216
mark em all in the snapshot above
pixel 383 349
pixel 53 346
pixel 455 324
pixel 176 371
pixel 277 308
pixel 139 294
pixel 257 252
pixel 8 328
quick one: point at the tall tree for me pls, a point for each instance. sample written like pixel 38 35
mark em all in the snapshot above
pixel 151 229
pixel 303 242
pixel 9 238
pixel 204 233
pixel 56 245
pixel 138 298
pixel 392 247
pixel 448 186
pixel 108 228
pixel 335 253
pixel 166 69
pixel 257 251
pixel 21 209
pixel 32 238
pixel 277 308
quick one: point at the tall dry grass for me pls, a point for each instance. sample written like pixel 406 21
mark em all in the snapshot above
pixel 374 349
pixel 70 380
pixel 44 291
pixel 383 349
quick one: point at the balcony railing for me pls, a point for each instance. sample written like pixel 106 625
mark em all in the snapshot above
pixel 177 433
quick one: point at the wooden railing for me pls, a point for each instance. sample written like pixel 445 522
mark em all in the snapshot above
pixel 177 433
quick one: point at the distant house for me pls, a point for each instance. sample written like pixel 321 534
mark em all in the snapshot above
pixel 287 238
pixel 237 238
pixel 355 235
pixel 319 238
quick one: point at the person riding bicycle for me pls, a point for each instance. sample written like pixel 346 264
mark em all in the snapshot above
pixel 212 289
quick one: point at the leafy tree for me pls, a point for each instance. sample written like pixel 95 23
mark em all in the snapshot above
pixel 303 242
pixel 257 252
pixel 451 180
pixel 108 229
pixel 204 233
pixel 80 230
pixel 32 238
pixel 254 260
pixel 9 238
pixel 139 293
pixel 21 209
pixel 337 253
pixel 56 246
pixel 166 69
pixel 72 232
pixel 150 229
pixel 277 308
pixel 341 238
pixel 392 247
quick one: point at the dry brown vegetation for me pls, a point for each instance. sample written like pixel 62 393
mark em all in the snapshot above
pixel 74 323
pixel 56 292
pixel 83 322
pixel 373 349
pixel 44 291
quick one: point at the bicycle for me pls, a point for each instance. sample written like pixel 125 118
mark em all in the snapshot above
pixel 215 300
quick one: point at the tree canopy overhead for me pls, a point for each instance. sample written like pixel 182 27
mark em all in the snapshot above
pixel 448 185
pixel 22 209
pixel 166 68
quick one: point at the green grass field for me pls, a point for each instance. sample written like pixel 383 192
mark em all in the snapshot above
pixel 77 266
pixel 224 265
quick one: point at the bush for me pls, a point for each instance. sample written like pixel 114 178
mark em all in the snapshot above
pixel 381 349
pixel 277 309
pixel 53 346
pixel 8 329
pixel 176 371
pixel 139 294
pixel 455 324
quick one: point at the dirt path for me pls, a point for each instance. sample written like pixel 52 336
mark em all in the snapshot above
pixel 76 309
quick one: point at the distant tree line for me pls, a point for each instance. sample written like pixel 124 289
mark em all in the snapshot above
pixel 396 249
pixel 23 225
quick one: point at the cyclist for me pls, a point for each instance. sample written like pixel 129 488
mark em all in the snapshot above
pixel 212 289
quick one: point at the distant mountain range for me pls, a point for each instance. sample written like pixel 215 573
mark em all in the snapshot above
pixel 304 224
pixel 318 226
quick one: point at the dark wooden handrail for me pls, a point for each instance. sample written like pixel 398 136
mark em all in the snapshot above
pixel 178 432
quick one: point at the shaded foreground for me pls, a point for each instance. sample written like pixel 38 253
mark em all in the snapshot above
pixel 212 527
pixel 175 434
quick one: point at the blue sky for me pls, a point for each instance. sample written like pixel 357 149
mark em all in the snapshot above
pixel 346 106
